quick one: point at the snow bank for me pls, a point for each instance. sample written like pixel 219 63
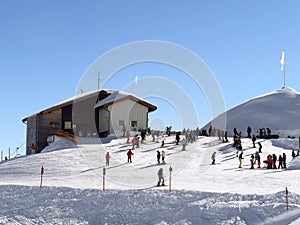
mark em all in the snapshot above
pixel 59 143
pixel 295 164
pixel 286 143
pixel 59 205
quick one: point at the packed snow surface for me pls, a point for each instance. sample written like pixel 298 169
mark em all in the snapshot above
pixel 201 193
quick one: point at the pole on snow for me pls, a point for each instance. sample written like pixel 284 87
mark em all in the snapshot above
pixel 287 200
pixel 170 169
pixel 42 173
pixel 104 172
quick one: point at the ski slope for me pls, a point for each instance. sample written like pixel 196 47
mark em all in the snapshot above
pixel 201 193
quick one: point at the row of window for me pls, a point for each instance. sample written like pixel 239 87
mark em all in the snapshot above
pixel 132 124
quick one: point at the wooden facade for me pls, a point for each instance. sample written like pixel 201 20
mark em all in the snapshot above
pixel 82 117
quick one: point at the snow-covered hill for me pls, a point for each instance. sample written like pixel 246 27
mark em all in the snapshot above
pixel 278 110
pixel 201 193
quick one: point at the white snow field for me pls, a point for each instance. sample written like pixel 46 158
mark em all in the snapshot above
pixel 278 110
pixel 201 193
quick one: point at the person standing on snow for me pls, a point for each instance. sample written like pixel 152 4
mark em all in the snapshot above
pixel 160 177
pixel 128 136
pixel 284 160
pixel 257 158
pixel 280 160
pixel 177 138
pixel 226 136
pixel 293 154
pixel 259 147
pixel 107 157
pixel 213 158
pixel 163 155
pixel 240 159
pixel 129 154
pixel 252 161
pixel 274 161
pixel 124 130
pixel 33 148
pixel 183 144
pixel 158 157
pixel 253 140
pixel 249 132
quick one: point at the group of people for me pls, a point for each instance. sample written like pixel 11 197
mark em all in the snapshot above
pixel 272 161
pixel 161 155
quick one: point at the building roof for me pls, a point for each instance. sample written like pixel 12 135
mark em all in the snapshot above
pixel 113 97
pixel 117 96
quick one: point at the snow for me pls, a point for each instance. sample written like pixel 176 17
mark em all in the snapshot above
pixel 278 110
pixel 201 193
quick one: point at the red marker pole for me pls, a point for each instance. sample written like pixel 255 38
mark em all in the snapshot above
pixel 104 172
pixel 42 173
pixel 170 169
pixel 287 199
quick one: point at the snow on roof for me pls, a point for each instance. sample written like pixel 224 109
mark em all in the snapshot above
pixel 114 96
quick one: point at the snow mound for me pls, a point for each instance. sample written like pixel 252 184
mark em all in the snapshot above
pixel 278 110
pixel 286 143
pixel 295 164
pixel 59 143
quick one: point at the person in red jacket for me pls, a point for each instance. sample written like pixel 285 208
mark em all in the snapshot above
pixel 129 154
pixel 107 157
pixel 33 148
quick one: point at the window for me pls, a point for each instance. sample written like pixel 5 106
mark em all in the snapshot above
pixel 121 123
pixel 134 123
pixel 68 125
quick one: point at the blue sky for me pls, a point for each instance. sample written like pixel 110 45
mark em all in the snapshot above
pixel 46 46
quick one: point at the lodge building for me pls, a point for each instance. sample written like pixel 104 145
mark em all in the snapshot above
pixel 94 114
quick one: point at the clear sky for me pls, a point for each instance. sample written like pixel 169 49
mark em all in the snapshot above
pixel 46 47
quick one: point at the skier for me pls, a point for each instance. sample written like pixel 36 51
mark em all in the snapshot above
pixel 280 160
pixel 259 147
pixel 252 161
pixel 284 160
pixel 253 140
pixel 249 132
pixel 213 157
pixel 107 157
pixel 241 159
pixel 129 154
pixel 163 155
pixel 158 157
pixel 160 177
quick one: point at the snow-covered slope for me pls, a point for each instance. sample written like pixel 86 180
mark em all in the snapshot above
pixel 278 110
pixel 201 193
